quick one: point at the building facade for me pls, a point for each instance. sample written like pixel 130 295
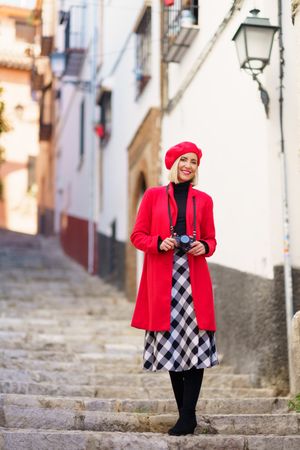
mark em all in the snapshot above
pixel 74 141
pixel 214 103
pixel 45 92
pixel 155 73
pixel 130 113
pixel 19 27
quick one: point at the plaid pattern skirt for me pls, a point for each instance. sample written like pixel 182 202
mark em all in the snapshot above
pixel 185 345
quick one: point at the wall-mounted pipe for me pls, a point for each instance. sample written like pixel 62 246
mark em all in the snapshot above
pixel 288 284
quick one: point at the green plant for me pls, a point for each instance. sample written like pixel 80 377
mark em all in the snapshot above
pixel 4 128
pixel 4 125
pixel 294 404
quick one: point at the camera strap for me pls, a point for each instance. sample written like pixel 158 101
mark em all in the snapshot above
pixel 170 216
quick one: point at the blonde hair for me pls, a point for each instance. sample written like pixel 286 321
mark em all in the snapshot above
pixel 173 174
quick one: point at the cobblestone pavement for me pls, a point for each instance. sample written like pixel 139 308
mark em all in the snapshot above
pixel 71 373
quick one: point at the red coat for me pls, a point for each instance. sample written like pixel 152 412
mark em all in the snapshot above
pixel 153 304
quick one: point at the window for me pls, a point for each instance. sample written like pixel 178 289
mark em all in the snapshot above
pixel 46 113
pixel 81 129
pixel 31 164
pixel 181 21
pixel 105 116
pixel 73 24
pixel 25 32
pixel 143 51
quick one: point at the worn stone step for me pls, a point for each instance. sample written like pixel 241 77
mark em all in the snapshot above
pixel 112 357
pixel 38 310
pixel 109 356
pixel 62 343
pixel 85 440
pixel 111 391
pixel 20 363
pixel 83 326
pixel 118 378
pixel 205 405
pixel 59 419
pixel 90 326
pixel 16 416
pixel 18 337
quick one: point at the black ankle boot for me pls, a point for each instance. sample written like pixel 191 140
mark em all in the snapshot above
pixel 186 423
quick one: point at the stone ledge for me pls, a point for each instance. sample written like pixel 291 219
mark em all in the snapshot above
pixel 78 440
pixel 62 419
pixel 205 406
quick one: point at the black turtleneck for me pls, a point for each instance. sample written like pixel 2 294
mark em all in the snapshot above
pixel 180 194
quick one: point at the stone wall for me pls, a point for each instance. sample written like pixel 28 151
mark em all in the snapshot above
pixel 111 258
pixel 251 323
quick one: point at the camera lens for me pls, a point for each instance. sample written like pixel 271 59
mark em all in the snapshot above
pixel 184 239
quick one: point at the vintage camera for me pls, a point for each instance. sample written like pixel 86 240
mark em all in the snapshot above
pixel 184 242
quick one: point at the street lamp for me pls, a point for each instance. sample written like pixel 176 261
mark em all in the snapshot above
pixel 254 40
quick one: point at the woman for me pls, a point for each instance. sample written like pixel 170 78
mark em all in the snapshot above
pixel 175 299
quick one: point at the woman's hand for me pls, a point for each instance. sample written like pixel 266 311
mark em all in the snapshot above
pixel 168 244
pixel 197 249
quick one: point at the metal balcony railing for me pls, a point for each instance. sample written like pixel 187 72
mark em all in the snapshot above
pixel 180 28
pixel 74 38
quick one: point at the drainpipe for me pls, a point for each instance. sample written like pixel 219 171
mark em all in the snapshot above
pixel 91 231
pixel 288 285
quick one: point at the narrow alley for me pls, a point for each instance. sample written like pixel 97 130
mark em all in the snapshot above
pixel 71 370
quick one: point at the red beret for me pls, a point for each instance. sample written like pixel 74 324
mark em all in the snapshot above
pixel 180 149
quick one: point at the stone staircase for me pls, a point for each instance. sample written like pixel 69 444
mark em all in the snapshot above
pixel 71 376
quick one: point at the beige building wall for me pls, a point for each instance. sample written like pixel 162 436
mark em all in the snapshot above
pixel 18 210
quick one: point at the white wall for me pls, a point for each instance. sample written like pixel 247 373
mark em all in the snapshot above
pixel 222 112
pixel 127 111
pixel 73 173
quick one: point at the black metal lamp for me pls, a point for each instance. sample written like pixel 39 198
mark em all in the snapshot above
pixel 254 40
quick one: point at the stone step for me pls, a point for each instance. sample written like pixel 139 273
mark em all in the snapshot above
pixel 59 419
pixel 111 354
pixel 85 440
pixel 61 342
pixel 118 378
pixel 205 406
pixel 58 355
pixel 11 362
pixel 84 326
pixel 112 391
pixel 91 347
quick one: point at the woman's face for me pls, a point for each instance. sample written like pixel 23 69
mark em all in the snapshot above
pixel 187 167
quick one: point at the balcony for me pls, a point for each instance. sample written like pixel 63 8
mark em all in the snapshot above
pixel 73 21
pixel 74 61
pixel 180 29
pixel 45 131
pixel 46 45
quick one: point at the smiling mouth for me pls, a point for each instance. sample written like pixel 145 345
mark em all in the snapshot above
pixel 186 172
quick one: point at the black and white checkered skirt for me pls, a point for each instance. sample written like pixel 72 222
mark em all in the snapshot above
pixel 185 345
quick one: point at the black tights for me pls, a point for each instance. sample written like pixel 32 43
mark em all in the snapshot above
pixel 186 386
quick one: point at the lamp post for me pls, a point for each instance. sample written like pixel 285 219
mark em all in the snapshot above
pixel 254 41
